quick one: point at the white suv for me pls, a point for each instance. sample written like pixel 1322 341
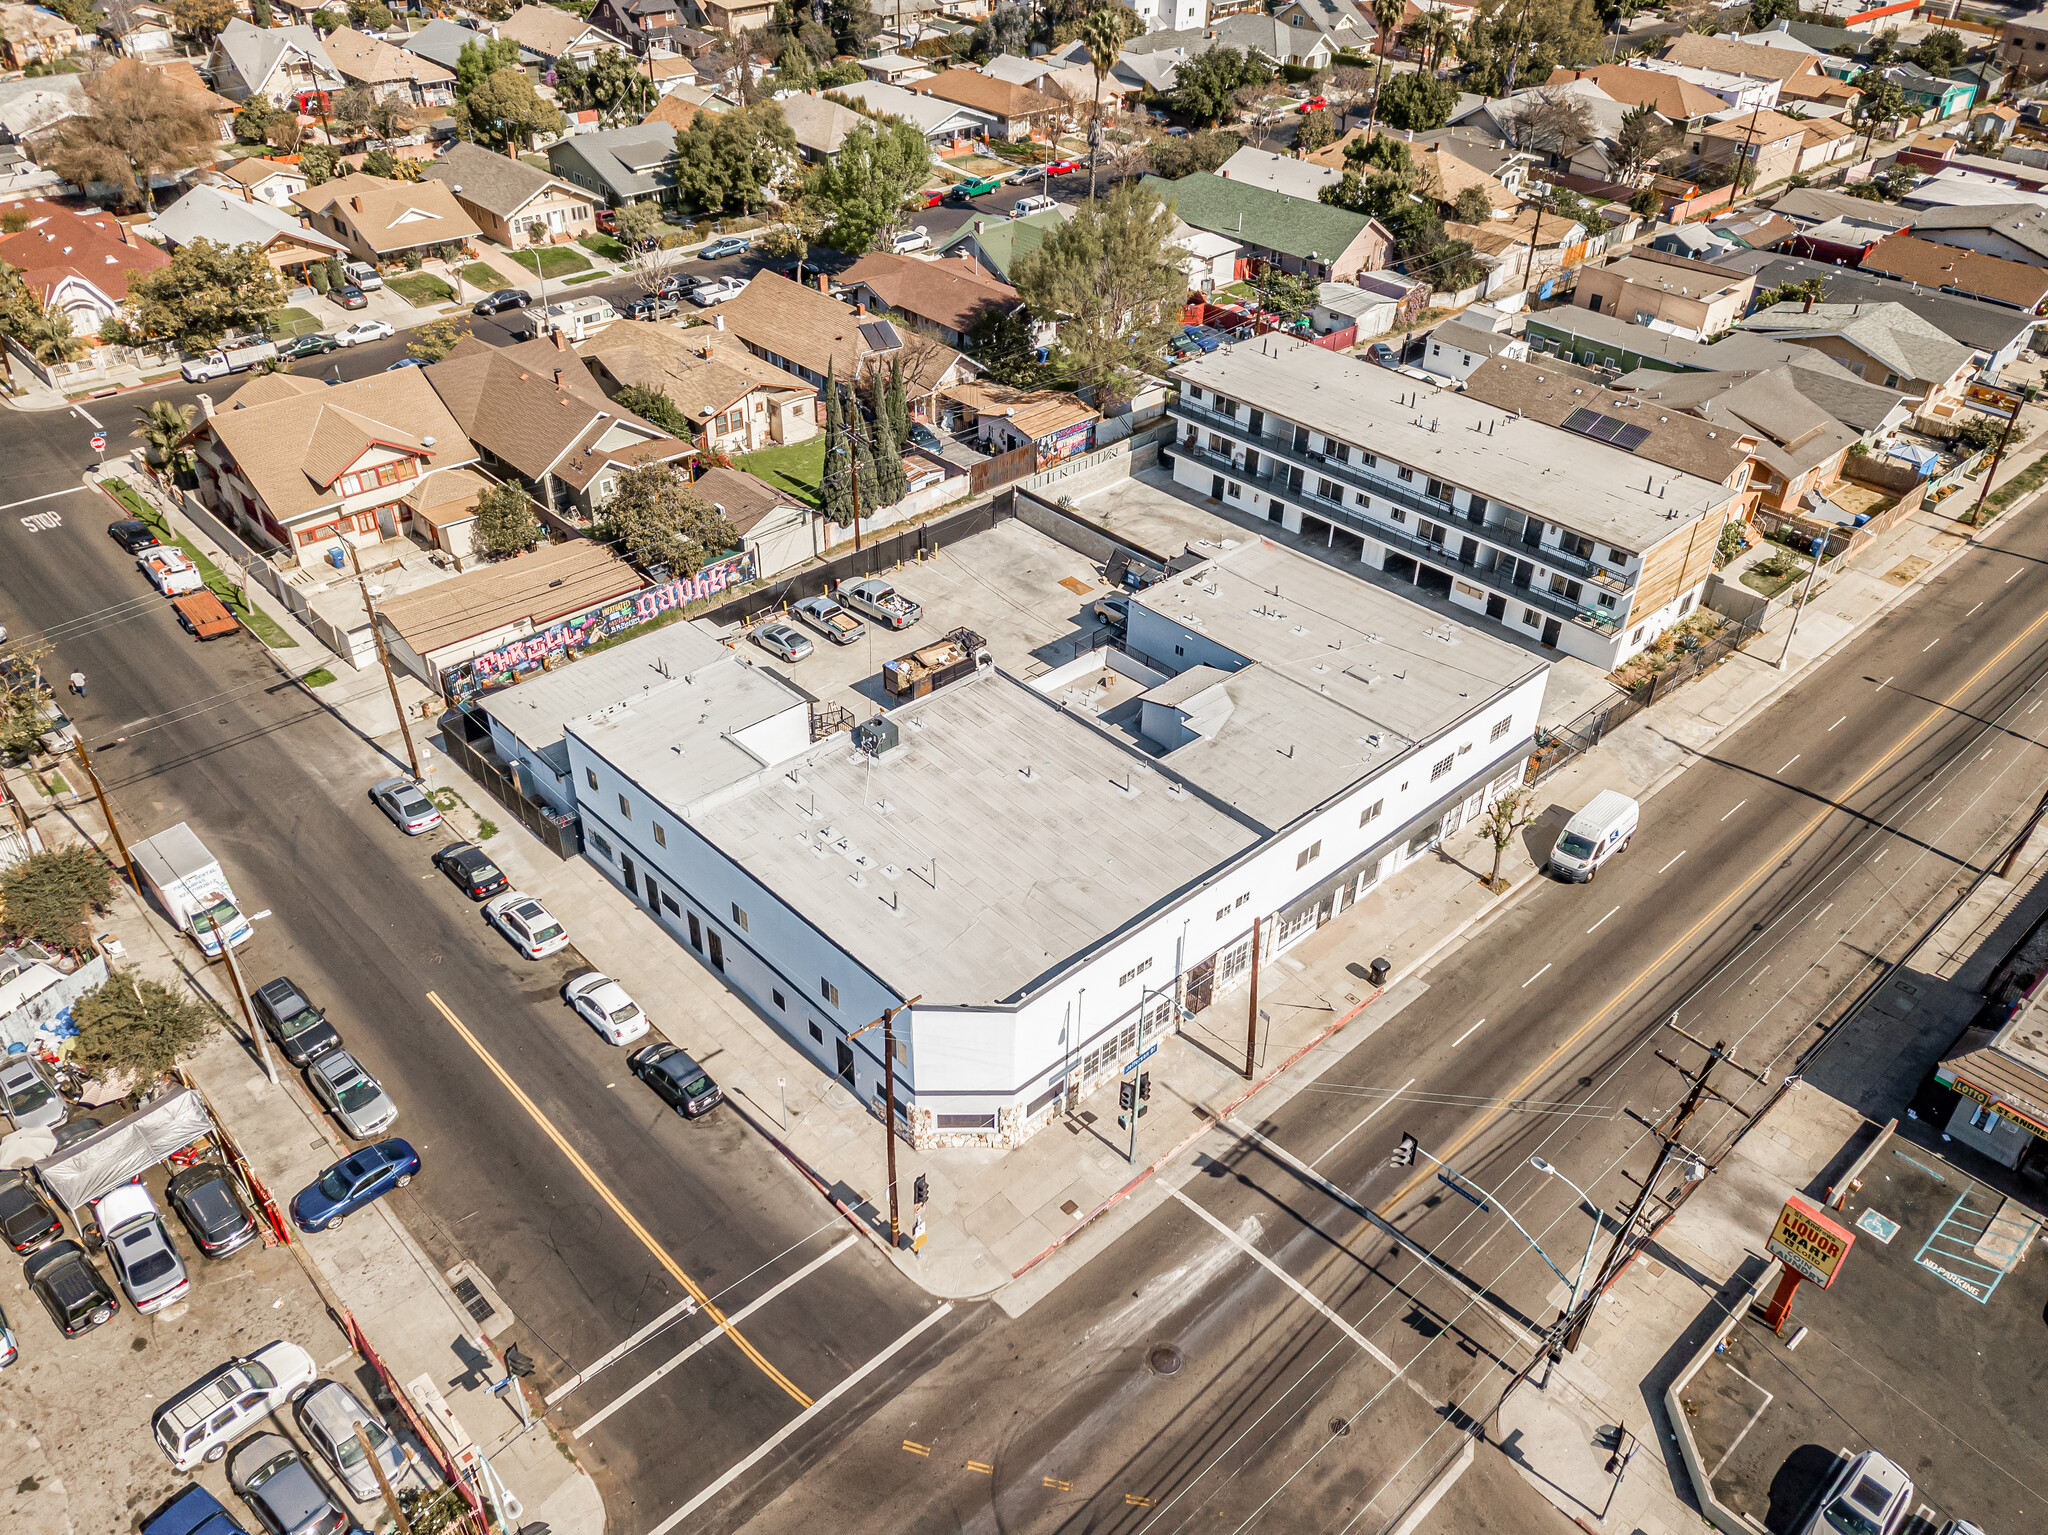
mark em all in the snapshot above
pixel 199 1422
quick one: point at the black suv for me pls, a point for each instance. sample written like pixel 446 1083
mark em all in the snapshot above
pixel 205 1199
pixel 133 535
pixel 299 1027
pixel 676 1079
pixel 26 1219
pixel 70 1288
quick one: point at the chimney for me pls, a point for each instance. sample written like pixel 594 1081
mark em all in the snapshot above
pixel 822 285
pixel 558 378
pixel 205 407
pixel 356 203
pixel 860 311
pixel 561 340
pixel 718 322
pixel 1809 305
pixel 979 225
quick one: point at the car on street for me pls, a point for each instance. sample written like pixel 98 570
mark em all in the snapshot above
pixel 198 1424
pixel 603 1004
pixel 1868 1496
pixel 1314 104
pixel 784 640
pixel 211 1209
pixel 70 1288
pixel 356 1098
pixel 829 619
pixel 363 330
pixel 522 918
pixel 59 734
pixel 31 1103
pixel 676 1079
pixel 194 1511
pixel 272 1477
pixel 1065 167
pixel 300 1029
pixel 926 438
pixel 133 534
pixel 967 191
pixel 26 1220
pixel 653 306
pixel 681 284
pixel 328 1415
pixel 357 1180
pixel 725 245
pixel 306 346
pixel 1029 173
pixel 718 291
pixel 139 1248
pixel 502 300
pixel 170 572
pixel 350 297
pixel 926 200
pixel 406 803
pixel 471 869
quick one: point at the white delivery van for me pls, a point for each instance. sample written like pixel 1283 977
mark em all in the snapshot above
pixel 1595 835
pixel 189 884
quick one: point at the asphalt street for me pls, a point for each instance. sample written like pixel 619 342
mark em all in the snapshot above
pixel 589 1252
pixel 1314 1373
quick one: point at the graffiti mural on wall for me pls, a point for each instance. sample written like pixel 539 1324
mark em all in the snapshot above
pixel 508 663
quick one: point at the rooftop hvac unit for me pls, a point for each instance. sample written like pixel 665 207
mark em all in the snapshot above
pixel 878 737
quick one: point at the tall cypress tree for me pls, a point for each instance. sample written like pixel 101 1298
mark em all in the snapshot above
pixel 891 484
pixel 899 403
pixel 836 494
pixel 864 463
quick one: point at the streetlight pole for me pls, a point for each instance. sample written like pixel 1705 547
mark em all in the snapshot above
pixel 256 1035
pixel 1452 1178
pixel 383 656
pixel 106 810
pixel 1579 1278
pixel 887 1024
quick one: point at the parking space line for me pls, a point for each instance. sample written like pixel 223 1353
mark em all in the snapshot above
pixel 1768 1399
pixel 1611 913
pixel 1467 1034
pixel 1738 805
pixel 667 1367
pixel 1292 1283
pixel 768 1445
pixel 1675 857
pixel 1534 978
pixel 617 1206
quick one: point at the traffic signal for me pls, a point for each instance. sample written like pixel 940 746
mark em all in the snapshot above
pixel 1404 1156
pixel 921 1191
pixel 1126 1095
pixel 1144 1085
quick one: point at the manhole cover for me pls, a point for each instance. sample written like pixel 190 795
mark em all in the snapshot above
pixel 1340 1427
pixel 1164 1360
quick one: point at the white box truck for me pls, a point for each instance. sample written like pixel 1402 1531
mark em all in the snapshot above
pixel 189 885
pixel 235 357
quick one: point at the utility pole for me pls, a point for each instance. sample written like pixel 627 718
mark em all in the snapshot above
pixel 1820 542
pixel 1573 1324
pixel 1251 1022
pixel 383 655
pixel 256 1034
pixel 383 1482
pixel 106 810
pixel 1977 511
pixel 887 1024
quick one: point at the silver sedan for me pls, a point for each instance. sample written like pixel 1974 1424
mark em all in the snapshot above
pixel 29 1100
pixel 356 1097
pixel 783 640
pixel 329 1415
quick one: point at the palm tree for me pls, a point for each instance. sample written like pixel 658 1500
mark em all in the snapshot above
pixel 163 424
pixel 49 339
pixel 1102 34
pixel 1386 15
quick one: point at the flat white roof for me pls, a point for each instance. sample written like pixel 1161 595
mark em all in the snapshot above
pixel 678 739
pixel 536 709
pixel 1560 476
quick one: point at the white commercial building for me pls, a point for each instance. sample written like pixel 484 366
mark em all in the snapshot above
pixel 1045 883
pixel 1561 534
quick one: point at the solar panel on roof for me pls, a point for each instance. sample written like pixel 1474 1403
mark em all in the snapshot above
pixel 880 336
pixel 1581 420
pixel 1629 438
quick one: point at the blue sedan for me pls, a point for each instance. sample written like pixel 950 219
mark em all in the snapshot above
pixel 353 1182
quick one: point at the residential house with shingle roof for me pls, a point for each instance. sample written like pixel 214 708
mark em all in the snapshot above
pixel 1671 97
pixel 737 402
pixel 1769 141
pixel 943 123
pixel 1737 57
pixel 1880 343
pixel 1304 178
pixel 941 298
pixel 512 202
pixel 77 264
pixel 34 34
pixel 31 107
pixel 1330 244
pixel 644 26
pixel 220 215
pixel 262 180
pixel 779 529
pixel 1694 297
pixel 805 332
pixel 1442 173
pixel 536 415
pixel 820 125
pixel 1308 47
pixel 388 73
pixel 1343 25
pixel 553 34
pixel 2011 231
pixel 276 63
pixel 441 42
pixel 998 244
pixel 2014 284
pixel 301 464
pixel 621 165
pixel 1017 110
pixel 381 220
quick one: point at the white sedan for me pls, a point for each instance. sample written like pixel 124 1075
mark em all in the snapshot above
pixel 362 330
pixel 522 918
pixel 606 1008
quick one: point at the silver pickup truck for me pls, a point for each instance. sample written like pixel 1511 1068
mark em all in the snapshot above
pixel 878 600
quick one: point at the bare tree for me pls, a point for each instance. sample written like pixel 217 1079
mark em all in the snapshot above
pixel 1499 822
pixel 1553 121
pixel 134 127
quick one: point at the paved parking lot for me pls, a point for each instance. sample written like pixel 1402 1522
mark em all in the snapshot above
pixel 1928 1349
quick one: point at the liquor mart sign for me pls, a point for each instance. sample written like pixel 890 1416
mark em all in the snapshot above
pixel 1811 1245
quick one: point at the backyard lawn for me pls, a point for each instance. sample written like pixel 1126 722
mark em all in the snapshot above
pixel 479 274
pixel 420 289
pixel 552 261
pixel 798 469
pixel 604 245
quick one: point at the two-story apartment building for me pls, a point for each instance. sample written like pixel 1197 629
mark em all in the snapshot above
pixel 1693 296
pixel 1560 535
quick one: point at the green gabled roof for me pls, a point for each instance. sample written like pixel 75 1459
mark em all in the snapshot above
pixel 1007 241
pixel 1292 226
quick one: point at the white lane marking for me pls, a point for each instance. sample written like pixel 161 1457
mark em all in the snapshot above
pixel 1611 913
pixel 1680 854
pixel 1534 978
pixel 1823 911
pixel 1987 752
pixel 735 1318
pixel 1884 684
pixel 1789 761
pixel 1831 728
pixel 1936 800
pixel 2014 576
pixel 1738 805
pixel 1468 1034
pixel 2033 706
pixel 1340 1140
pixel 767 1446
pixel 1979 605
pixel 1292 1283
pixel 681 1308
pixel 1930 645
pixel 31 500
pixel 80 410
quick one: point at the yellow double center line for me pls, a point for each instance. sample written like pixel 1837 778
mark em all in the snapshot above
pixel 1764 869
pixel 633 1225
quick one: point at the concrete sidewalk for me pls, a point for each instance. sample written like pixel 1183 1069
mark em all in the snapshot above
pixel 371 1265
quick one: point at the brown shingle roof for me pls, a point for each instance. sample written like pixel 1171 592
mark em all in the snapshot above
pixel 375 62
pixel 1756 127
pixel 971 88
pixel 1912 259
pixel 254 172
pixel 704 371
pixel 950 293
pixel 806 327
pixel 393 215
pixel 552 582
pixel 542 28
pixel 1547 393
pixel 674 110
pixel 529 404
pixel 1704 52
pixel 745 499
pixel 1666 95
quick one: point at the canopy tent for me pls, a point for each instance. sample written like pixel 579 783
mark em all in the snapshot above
pixel 1920 458
pixel 127 1148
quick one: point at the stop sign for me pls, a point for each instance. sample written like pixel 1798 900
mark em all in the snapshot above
pixel 99 442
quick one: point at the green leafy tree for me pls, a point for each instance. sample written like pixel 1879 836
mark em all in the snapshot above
pixel 835 487
pixel 49 338
pixel 24 713
pixel 1205 87
pixel 654 405
pixel 382 163
pixel 1498 824
pixel 1523 41
pixel 655 518
pixel 203 19
pixel 481 59
pixel 372 14
pixel 252 122
pixel 1317 131
pixel 1642 137
pixel 505 523
pixel 1646 203
pixel 336 277
pixel 1287 296
pixel 1204 150
pixel 1472 207
pixel 1940 52
pixel 1417 102
pixel 1112 277
pixel 852 25
pixel 318 162
pixel 899 401
pixel 206 292
pixel 259 13
pixel 862 190
pixel 726 161
pixel 132 128
pixel 1380 180
pixel 1001 343
pixel 503 110
pixel 639 223
pixel 1766 14
pixel 795 67
pixel 50 896
pixel 611 85
pixel 134 1027
pixel 437 338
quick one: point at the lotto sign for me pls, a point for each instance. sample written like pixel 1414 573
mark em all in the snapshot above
pixel 1810 1244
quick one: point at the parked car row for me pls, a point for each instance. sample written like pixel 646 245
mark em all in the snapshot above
pixel 199 612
